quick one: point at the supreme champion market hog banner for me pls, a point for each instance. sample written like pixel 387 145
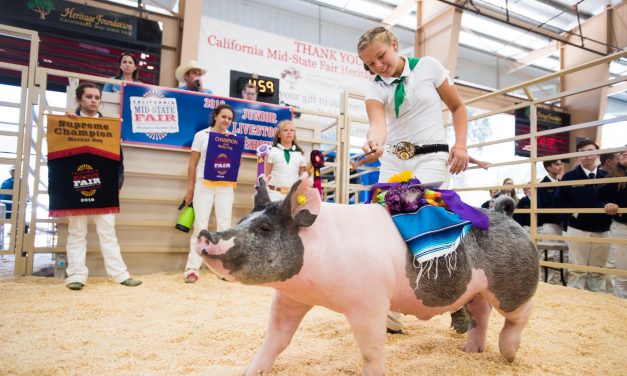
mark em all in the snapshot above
pixel 223 157
pixel 169 118
pixel 83 162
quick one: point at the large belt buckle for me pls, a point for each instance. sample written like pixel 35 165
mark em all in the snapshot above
pixel 404 150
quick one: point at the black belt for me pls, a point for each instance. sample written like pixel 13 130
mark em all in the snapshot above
pixel 405 150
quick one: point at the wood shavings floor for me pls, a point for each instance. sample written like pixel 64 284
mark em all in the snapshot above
pixel 167 327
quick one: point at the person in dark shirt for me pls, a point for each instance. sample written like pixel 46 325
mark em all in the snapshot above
pixel 490 203
pixel 615 196
pixel 585 225
pixel 550 224
pixel 524 219
pixel 609 162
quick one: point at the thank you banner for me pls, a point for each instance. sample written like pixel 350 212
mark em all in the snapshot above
pixel 169 118
pixel 223 159
pixel 83 163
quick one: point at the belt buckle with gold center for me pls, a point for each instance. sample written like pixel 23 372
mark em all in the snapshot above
pixel 404 150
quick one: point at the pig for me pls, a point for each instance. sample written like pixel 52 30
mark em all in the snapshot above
pixel 351 259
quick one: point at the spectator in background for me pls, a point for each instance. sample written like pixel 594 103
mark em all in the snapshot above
pixel 490 203
pixel 609 162
pixel 585 225
pixel 128 71
pixel 285 161
pixel 204 194
pixel 509 191
pixel 524 219
pixel 550 224
pixel 88 98
pixel 615 195
pixel 7 199
pixel 190 73
pixel 249 92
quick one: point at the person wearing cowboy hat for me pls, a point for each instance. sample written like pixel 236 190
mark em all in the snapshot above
pixel 190 73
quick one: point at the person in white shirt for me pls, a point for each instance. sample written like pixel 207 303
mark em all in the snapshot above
pixel 88 97
pixel 204 194
pixel 404 106
pixel 285 162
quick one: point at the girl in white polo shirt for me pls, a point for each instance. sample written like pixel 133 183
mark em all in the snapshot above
pixel 285 161
pixel 404 106
pixel 206 195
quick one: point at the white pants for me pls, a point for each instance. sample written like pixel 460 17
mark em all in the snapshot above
pixel 619 231
pixel 204 200
pixel 552 255
pixel 428 168
pixel 591 254
pixel 76 248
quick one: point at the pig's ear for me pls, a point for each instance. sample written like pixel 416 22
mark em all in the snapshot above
pixel 261 197
pixel 302 203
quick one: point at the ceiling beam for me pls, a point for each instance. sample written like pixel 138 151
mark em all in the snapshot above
pixel 566 9
pixel 401 10
pixel 499 16
pixel 534 55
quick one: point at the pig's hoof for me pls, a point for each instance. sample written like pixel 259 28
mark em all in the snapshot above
pixel 474 347
pixel 191 278
pixel 460 321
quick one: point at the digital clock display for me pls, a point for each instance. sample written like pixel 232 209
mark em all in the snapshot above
pixel 267 87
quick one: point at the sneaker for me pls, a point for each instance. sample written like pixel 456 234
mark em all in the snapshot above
pixel 191 278
pixel 130 282
pixel 75 286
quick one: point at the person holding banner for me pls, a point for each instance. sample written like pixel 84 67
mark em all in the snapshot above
pixel 285 161
pixel 404 107
pixel 204 195
pixel 129 71
pixel 88 98
pixel 190 73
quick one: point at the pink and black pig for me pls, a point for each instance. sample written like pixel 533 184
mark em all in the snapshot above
pixel 352 260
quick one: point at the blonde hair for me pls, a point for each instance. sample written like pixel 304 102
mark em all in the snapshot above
pixel 277 137
pixel 375 34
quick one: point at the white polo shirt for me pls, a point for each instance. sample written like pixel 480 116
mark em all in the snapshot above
pixel 200 144
pixel 284 174
pixel 420 114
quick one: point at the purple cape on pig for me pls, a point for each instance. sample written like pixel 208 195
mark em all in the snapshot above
pixel 351 259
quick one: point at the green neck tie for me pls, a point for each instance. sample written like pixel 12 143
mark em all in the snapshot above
pixel 286 153
pixel 399 93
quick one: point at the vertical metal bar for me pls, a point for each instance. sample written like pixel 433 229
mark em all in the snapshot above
pixel 24 263
pixel 533 119
pixel 42 81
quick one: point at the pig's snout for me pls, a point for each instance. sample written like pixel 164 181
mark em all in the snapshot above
pixel 203 243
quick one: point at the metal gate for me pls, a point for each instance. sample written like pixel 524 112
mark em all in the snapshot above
pixel 16 124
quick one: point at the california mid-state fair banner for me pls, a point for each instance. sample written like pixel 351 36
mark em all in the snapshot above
pixel 83 163
pixel 169 118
